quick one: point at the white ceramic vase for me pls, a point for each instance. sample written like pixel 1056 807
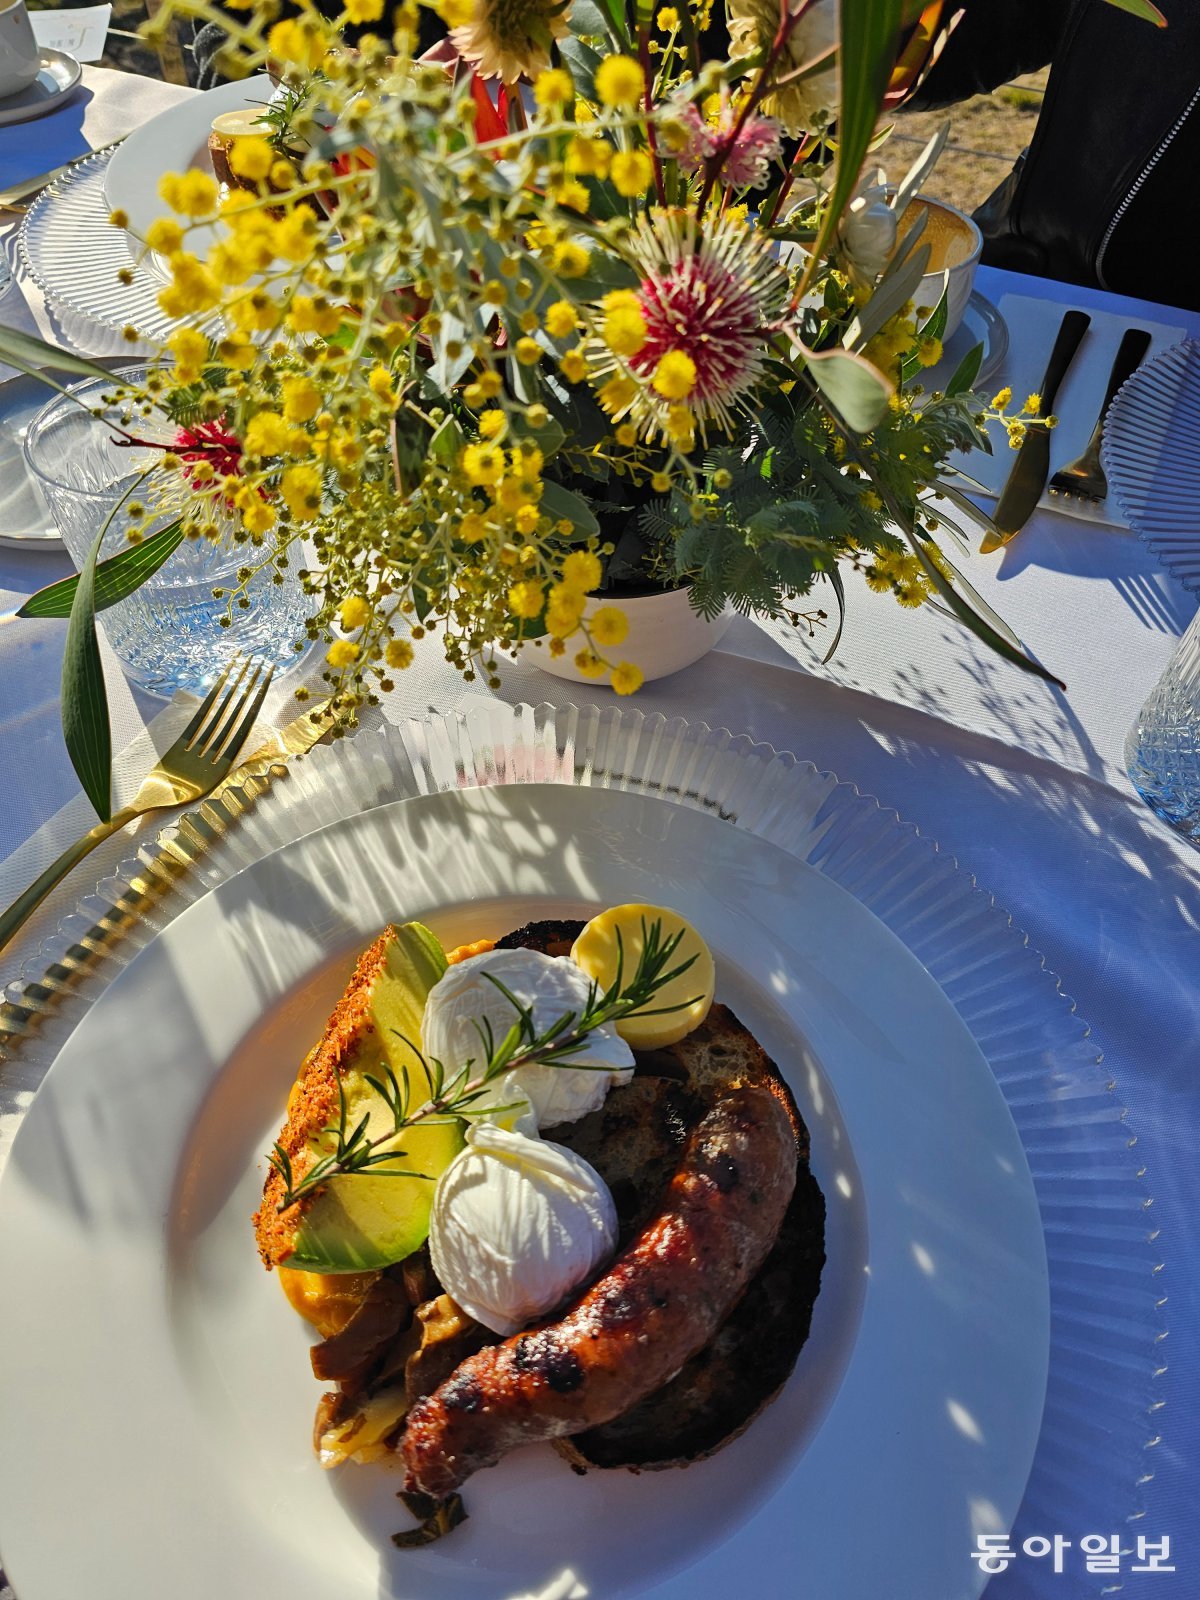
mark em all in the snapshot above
pixel 665 635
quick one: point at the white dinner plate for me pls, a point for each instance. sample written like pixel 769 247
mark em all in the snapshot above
pixel 174 141
pixel 157 1439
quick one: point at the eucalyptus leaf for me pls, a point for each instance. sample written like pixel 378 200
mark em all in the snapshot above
pixel 411 436
pixel 921 168
pixel 858 392
pixel 561 503
pixel 85 725
pixel 447 441
pixel 587 21
pixel 893 291
pixel 548 437
pixel 115 578
pixel 449 367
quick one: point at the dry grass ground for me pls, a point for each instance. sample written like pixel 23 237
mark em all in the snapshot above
pixel 987 134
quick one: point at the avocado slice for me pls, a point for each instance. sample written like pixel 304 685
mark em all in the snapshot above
pixel 365 1221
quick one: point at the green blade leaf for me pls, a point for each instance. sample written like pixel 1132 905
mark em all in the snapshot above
pixel 868 30
pixel 978 625
pixel 858 392
pixel 1143 9
pixel 835 580
pixel 31 355
pixel 86 731
pixel 966 372
pixel 116 578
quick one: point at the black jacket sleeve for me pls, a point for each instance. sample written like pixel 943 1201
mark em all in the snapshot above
pixel 992 42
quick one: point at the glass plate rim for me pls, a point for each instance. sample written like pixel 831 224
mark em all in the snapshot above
pixel 1040 1050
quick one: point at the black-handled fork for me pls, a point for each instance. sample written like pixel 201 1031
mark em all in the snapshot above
pixel 1084 479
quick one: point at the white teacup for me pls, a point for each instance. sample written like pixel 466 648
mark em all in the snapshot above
pixel 19 55
pixel 955 247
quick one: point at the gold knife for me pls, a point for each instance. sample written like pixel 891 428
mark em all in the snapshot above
pixel 1030 470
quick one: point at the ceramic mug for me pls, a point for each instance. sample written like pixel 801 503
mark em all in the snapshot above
pixel 19 57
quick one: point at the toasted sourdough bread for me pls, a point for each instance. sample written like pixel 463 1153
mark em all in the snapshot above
pixel 314 1102
pixel 635 1142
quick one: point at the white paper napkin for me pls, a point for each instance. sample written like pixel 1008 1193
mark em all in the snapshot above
pixel 1032 328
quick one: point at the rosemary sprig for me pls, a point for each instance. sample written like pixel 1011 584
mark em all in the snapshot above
pixel 457 1095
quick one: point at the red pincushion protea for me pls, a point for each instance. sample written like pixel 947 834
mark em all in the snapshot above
pixel 710 292
pixel 212 443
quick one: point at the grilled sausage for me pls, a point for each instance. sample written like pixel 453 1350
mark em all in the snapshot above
pixel 658 1304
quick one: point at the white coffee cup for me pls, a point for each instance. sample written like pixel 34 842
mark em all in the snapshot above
pixel 956 245
pixel 19 55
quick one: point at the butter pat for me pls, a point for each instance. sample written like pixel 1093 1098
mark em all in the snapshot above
pixel 620 933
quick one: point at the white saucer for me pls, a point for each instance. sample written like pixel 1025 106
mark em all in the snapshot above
pixel 25 521
pixel 58 76
pixel 981 324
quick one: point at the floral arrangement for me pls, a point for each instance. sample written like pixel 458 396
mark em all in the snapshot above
pixel 559 307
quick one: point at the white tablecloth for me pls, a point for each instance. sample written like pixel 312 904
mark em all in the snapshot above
pixel 1022 784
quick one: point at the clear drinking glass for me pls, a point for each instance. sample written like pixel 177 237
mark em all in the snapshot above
pixel 1162 752
pixel 167 634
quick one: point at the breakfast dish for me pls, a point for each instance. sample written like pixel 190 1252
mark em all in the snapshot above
pixel 135 1172
pixel 479 1286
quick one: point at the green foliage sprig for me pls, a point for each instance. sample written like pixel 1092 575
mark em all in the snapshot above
pixel 457 1095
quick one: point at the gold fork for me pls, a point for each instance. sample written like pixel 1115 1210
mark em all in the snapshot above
pixel 200 758
pixel 1084 479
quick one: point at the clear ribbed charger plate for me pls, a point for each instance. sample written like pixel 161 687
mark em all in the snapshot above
pixel 74 254
pixel 1092 1464
pixel 1151 455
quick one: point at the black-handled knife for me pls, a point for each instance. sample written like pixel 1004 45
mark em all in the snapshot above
pixel 1032 467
